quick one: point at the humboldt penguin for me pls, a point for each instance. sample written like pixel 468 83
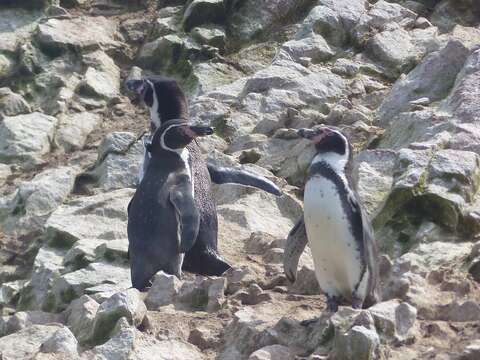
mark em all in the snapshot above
pixel 166 101
pixel 335 226
pixel 163 220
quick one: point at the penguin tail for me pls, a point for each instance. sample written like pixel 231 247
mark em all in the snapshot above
pixel 223 175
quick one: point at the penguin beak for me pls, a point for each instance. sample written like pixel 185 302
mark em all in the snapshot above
pixel 195 131
pixel 137 86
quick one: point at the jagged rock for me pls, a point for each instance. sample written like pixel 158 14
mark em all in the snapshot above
pixel 35 200
pixel 474 269
pixel 252 18
pixel 74 284
pixel 25 343
pixel 253 296
pixel 468 310
pixel 46 269
pixel 62 341
pixel 203 338
pixel 80 316
pixel 171 53
pixel 12 104
pixel 258 243
pixel 5 172
pixel 100 216
pixel 374 174
pixel 201 12
pixel 241 211
pixel 358 343
pixel 74 130
pixel 136 29
pixel 238 278
pixel 82 33
pixel 471 351
pixel 314 47
pixel 26 137
pixel 126 304
pixel 210 35
pixel 204 293
pixel 250 330
pixel 381 16
pixel 25 319
pixel 119 160
pixel 334 20
pixel 102 77
pixel 393 318
pixel 462 101
pixel 448 13
pixel 10 291
pixel 272 352
pixel 129 343
pixel 432 78
pixel 164 290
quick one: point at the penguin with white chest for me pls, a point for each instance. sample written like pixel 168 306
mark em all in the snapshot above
pixel 335 225
pixel 163 220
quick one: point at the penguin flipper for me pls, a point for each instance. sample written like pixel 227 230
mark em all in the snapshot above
pixel 296 242
pixel 188 216
pixel 223 175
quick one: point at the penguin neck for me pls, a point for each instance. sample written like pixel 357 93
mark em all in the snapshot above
pixel 333 160
pixel 165 109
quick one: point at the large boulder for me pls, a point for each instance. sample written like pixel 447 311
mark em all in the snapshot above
pixel 77 33
pixel 201 12
pixel 26 137
pixel 74 129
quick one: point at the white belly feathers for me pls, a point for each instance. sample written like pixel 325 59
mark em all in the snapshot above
pixel 337 261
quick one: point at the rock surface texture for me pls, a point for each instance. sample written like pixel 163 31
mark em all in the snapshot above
pixel 401 78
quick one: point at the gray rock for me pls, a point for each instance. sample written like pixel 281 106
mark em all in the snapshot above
pixel 75 284
pixel 9 291
pixel 201 12
pixel 26 137
pixel 12 104
pixel 171 53
pixel 358 343
pixel 471 351
pixel 314 47
pixel 25 319
pixel 252 17
pixel 46 270
pixel 5 172
pixel 36 199
pixel 210 35
pixel 100 216
pixel 80 316
pixel 25 343
pixel 272 352
pixel 125 304
pixel 129 343
pixel 82 33
pixel 62 341
pixel 119 159
pixel 381 16
pixel 462 100
pixel 468 310
pixel 334 20
pixel 164 290
pixel 102 77
pixel 204 294
pixel 250 330
pixel 75 128
pixel 393 318
pixel 432 78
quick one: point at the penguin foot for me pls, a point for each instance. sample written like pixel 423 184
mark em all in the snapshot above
pixel 332 303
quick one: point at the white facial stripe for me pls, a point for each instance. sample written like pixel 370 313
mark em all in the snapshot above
pixel 154 115
pixel 162 139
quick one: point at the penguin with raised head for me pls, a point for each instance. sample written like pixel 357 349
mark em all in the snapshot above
pixel 166 101
pixel 163 219
pixel 335 226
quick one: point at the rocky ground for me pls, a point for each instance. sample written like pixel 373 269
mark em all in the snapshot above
pixel 402 78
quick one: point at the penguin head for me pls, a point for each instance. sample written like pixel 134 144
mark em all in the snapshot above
pixel 175 135
pixel 328 140
pixel 163 96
